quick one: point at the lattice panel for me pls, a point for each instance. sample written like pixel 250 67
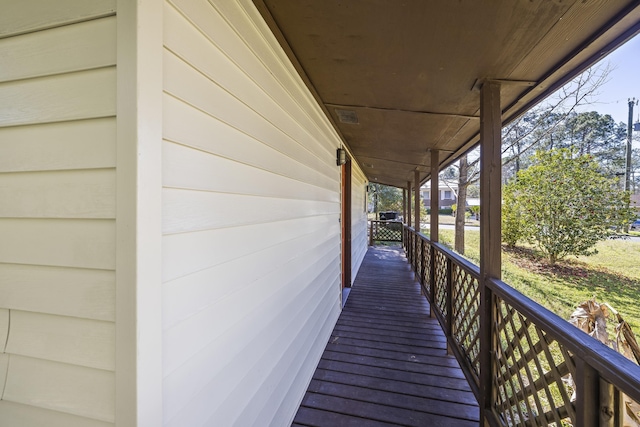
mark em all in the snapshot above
pixel 387 232
pixel 426 259
pixel 466 316
pixel 530 366
pixel 441 282
pixel 418 261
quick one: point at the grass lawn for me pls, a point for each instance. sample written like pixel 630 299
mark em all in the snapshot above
pixel 451 220
pixel 612 276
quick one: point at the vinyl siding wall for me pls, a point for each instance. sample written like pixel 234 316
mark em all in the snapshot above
pixel 57 212
pixel 359 239
pixel 251 204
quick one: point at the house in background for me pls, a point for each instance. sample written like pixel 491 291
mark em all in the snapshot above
pixel 176 227
pixel 446 195
pixel 635 202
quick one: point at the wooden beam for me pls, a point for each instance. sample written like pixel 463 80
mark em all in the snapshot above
pixel 490 180
pixel 435 195
pixel 404 204
pixel 490 234
pixel 409 203
pixel 416 195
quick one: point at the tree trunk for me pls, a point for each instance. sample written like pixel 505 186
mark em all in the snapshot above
pixel 462 205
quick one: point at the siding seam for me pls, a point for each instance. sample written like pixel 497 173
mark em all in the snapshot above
pixel 6 376
pixel 65 24
pixel 6 341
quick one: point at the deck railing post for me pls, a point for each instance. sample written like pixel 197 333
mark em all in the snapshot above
pixel 432 279
pixel 611 405
pixel 449 299
pixel 487 350
pixel 409 240
pixel 371 233
pixel 490 232
pixel 414 261
pixel 423 267
pixel 587 382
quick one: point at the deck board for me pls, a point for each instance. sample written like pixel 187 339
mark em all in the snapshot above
pixel 386 362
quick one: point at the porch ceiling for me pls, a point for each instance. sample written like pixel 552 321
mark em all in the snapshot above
pixel 409 71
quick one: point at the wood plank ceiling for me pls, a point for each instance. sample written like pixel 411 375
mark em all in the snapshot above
pixel 399 78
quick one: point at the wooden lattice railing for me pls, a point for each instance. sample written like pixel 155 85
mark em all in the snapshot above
pixel 385 231
pixel 542 371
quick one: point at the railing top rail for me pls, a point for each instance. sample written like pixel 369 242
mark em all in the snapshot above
pixel 457 259
pixel 464 263
pixel 613 366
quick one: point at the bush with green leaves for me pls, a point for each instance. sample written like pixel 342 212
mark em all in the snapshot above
pixel 563 205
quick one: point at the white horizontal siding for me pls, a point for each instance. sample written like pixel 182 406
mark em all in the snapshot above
pixel 76 292
pixel 28 16
pixel 359 241
pixel 57 213
pixel 16 414
pixel 71 340
pixel 186 83
pixel 54 242
pixel 59 194
pixel 250 220
pixel 190 336
pixel 190 210
pixel 83 46
pixel 267 357
pixel 49 146
pixel 237 29
pixel 195 292
pixel 81 95
pixel 213 173
pixel 192 127
pixel 60 387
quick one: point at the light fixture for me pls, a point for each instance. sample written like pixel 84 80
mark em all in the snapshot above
pixel 341 156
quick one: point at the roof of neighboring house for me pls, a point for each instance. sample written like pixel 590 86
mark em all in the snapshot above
pixel 441 186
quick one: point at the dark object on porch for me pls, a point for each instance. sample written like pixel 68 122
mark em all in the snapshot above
pixel 388 216
pixel 386 362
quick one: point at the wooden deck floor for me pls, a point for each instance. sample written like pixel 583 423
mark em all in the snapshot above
pixel 386 362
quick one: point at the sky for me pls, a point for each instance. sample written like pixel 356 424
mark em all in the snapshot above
pixel 624 83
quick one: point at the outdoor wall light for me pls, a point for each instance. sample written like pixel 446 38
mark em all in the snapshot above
pixel 341 156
